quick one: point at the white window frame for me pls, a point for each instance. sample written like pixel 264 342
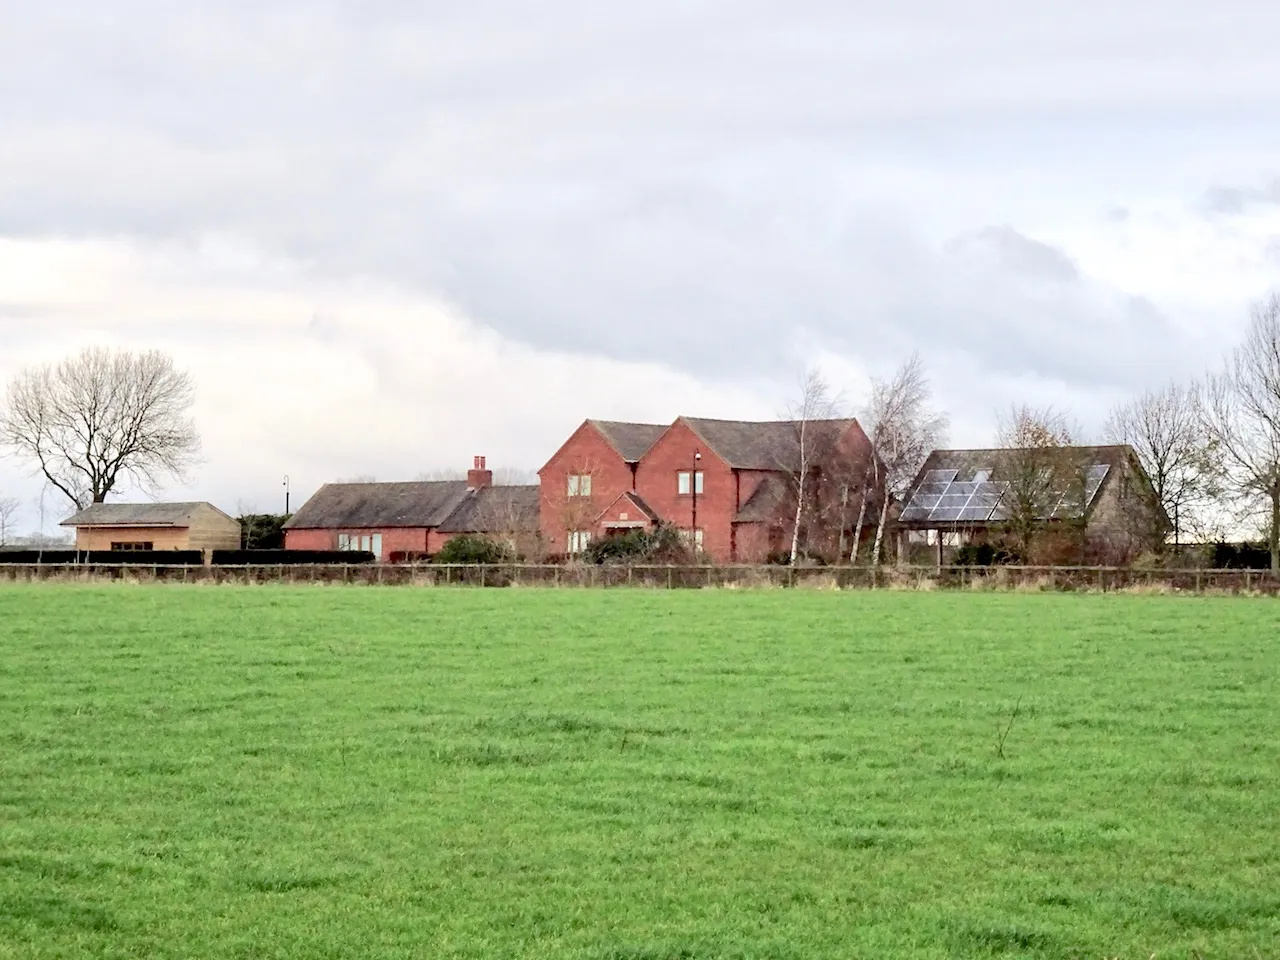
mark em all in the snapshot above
pixel 579 485
pixel 692 536
pixel 361 543
pixel 682 483
pixel 579 540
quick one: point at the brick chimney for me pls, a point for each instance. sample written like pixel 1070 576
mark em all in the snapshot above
pixel 478 476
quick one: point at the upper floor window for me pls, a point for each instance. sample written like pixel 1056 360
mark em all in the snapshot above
pixel 579 484
pixel 682 482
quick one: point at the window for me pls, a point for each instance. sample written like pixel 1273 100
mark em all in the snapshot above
pixel 361 542
pixel 579 540
pixel 696 537
pixel 682 483
pixel 139 545
pixel 579 484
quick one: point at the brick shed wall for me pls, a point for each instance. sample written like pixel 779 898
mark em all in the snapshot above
pixel 394 539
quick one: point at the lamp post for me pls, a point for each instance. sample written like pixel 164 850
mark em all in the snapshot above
pixel 286 494
pixel 693 489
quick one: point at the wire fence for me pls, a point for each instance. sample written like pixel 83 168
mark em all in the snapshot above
pixel 1093 579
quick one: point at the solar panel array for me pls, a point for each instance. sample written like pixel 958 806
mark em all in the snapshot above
pixel 942 498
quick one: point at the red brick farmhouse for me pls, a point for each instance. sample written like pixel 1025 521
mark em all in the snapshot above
pixel 740 479
pixel 403 521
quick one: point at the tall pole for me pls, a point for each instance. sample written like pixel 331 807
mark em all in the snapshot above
pixel 286 494
pixel 693 488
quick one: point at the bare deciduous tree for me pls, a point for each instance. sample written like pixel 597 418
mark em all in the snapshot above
pixel 814 404
pixel 1040 465
pixel 1166 429
pixel 510 517
pixel 502 476
pixel 8 508
pixel 1242 414
pixel 904 430
pixel 100 417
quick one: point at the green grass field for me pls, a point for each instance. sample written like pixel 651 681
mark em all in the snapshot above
pixel 222 772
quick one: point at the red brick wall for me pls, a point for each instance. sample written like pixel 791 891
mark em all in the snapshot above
pixel 614 516
pixel 752 542
pixel 394 539
pixel 657 484
pixel 586 451
pixel 311 540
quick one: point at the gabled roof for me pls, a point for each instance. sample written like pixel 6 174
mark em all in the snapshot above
pixel 631 440
pixel 762 505
pixel 138 515
pixel 423 503
pixel 762 445
pixel 964 488
pixel 649 513
pixel 504 509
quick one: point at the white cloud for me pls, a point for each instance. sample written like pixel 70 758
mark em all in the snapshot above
pixel 321 380
pixel 344 215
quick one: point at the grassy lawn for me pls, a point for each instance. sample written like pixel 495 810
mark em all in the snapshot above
pixel 266 772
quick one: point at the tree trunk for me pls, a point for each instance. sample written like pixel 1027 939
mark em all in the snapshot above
pixel 884 516
pixel 1275 530
pixel 857 530
pixel 844 509
pixel 795 530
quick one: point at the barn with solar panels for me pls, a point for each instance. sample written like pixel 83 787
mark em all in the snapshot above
pixel 1100 496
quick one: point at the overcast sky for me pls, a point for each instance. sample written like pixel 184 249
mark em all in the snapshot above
pixel 385 236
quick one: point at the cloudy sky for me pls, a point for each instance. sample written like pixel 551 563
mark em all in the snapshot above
pixel 387 235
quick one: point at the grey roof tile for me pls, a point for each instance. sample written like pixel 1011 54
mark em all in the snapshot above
pixel 135 514
pixel 762 445
pixel 424 503
pixel 631 440
pixel 502 509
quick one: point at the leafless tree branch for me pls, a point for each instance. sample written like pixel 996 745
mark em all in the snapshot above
pixel 99 417
pixel 1242 414
pixel 1166 429
pixel 904 430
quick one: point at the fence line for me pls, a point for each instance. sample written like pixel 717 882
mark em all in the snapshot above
pixel 1066 578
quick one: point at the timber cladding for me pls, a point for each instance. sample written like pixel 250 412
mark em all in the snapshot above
pixel 154 526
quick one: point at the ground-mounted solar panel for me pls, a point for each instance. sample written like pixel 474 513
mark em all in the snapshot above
pixel 966 488
pixel 940 476
pixel 972 514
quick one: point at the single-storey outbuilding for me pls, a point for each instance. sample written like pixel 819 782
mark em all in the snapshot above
pixel 154 526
